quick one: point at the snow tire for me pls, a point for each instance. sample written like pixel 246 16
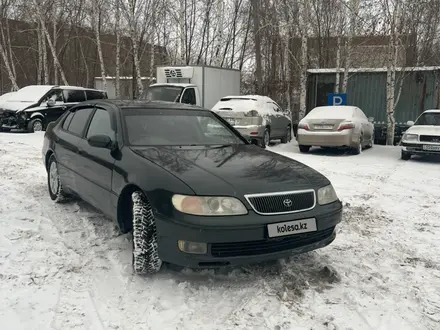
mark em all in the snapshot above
pixel 56 190
pixel 145 244
pixel 288 137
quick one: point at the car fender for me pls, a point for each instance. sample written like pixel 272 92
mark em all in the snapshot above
pixel 36 114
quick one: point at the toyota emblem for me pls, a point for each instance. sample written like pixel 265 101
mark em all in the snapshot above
pixel 287 202
pixel 173 73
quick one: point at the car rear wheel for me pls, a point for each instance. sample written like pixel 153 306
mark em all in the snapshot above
pixel 288 137
pixel 145 246
pixel 35 125
pixel 405 155
pixel 357 149
pixel 304 148
pixel 266 138
pixel 55 186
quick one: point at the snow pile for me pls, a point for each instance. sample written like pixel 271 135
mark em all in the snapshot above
pixel 66 266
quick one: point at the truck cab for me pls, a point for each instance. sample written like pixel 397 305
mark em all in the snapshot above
pixel 174 92
pixel 197 85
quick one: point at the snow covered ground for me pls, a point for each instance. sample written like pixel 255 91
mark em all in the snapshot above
pixel 66 267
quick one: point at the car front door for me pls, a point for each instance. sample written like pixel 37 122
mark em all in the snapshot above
pixel 96 164
pixel 67 139
pixel 56 110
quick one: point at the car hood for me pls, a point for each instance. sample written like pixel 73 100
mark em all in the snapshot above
pixel 233 170
pixel 424 130
pixel 15 106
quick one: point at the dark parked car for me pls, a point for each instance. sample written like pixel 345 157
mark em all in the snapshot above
pixel 33 107
pixel 192 189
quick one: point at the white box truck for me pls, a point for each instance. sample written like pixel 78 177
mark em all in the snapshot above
pixel 199 85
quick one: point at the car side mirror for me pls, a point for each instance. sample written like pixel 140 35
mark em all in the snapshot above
pixel 50 103
pixel 370 119
pixel 410 123
pixel 100 141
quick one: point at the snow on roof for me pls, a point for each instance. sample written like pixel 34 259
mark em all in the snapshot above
pixel 173 84
pixel 432 110
pixel 331 112
pixel 124 78
pixel 384 69
pixel 244 103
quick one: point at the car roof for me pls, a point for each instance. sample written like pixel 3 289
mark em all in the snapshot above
pixel 432 111
pixel 144 104
pixel 65 87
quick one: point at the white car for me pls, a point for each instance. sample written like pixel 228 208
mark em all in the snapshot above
pixel 335 126
pixel 5 97
pixel 423 137
pixel 256 117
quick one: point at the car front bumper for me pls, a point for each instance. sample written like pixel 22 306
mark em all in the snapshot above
pixel 418 149
pixel 346 138
pixel 11 120
pixel 238 245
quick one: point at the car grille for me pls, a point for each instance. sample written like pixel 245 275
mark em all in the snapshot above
pixel 237 249
pixel 282 203
pixel 429 138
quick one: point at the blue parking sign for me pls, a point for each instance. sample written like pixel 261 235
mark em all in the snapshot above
pixel 337 99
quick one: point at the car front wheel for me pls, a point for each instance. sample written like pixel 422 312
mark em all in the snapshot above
pixel 405 155
pixel 35 125
pixel 145 246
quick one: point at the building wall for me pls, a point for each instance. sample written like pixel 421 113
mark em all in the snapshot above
pixel 420 92
pixel 77 53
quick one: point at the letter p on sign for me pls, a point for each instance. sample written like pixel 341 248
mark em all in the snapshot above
pixel 337 99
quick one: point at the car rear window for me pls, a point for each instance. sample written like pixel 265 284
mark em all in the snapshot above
pixel 331 113
pixel 95 95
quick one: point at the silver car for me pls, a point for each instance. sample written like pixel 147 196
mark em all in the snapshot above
pixel 335 126
pixel 256 118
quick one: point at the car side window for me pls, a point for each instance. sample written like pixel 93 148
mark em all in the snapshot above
pixel 101 125
pixel 56 95
pixel 74 95
pixel 79 121
pixel 94 95
pixel 68 120
pixel 189 96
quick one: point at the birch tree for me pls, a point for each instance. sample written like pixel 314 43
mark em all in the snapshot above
pixel 304 62
pixel 96 28
pixel 118 49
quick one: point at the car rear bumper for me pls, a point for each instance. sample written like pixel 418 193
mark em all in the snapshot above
pixel 346 138
pixel 417 148
pixel 251 131
pixel 232 246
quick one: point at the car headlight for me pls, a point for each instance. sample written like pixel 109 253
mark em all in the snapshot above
pixel 410 137
pixel 327 195
pixel 209 205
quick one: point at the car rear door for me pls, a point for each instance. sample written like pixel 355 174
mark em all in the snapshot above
pixel 96 164
pixel 66 141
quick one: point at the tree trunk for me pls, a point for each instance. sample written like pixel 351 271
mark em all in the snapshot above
pixel 96 23
pixel 52 49
pixel 338 65
pixel 11 54
pixel 303 78
pixel 44 56
pixel 54 29
pixel 40 55
pixel 182 20
pixel 118 50
pixel 8 68
pixel 257 41
pixel 220 10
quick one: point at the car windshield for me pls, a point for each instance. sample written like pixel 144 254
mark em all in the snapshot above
pixel 429 118
pixel 164 93
pixel 176 128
